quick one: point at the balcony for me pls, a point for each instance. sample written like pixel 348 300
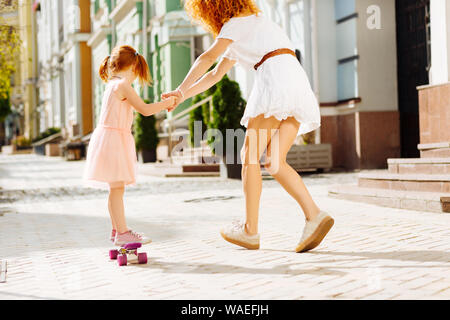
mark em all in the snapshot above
pixel 123 7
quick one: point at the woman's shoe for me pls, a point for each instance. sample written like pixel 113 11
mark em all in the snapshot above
pixel 236 234
pixel 130 237
pixel 314 232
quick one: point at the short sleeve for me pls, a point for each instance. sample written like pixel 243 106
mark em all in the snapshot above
pixel 230 31
pixel 230 54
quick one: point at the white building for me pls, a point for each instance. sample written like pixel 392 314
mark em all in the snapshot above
pixel 65 65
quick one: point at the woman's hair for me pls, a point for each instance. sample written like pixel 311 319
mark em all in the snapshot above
pixel 213 14
pixel 122 58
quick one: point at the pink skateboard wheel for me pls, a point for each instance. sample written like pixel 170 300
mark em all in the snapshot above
pixel 113 254
pixel 142 258
pixel 122 260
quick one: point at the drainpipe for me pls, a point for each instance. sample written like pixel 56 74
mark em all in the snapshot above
pixel 315 57
pixel 144 38
pixel 287 17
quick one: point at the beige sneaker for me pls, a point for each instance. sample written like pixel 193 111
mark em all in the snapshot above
pixel 314 232
pixel 235 233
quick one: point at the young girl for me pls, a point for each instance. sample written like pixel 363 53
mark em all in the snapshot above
pixel 280 107
pixel 111 156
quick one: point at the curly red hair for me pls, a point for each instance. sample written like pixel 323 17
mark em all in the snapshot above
pixel 213 14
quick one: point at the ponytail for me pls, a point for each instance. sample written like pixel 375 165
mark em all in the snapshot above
pixel 141 70
pixel 104 69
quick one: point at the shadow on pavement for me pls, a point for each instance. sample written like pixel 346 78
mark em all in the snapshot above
pixel 38 231
pixel 401 255
pixel 212 268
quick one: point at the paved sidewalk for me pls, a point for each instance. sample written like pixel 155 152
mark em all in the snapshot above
pixel 53 235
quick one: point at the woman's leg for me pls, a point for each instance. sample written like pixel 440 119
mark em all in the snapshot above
pixel 277 166
pixel 117 210
pixel 257 138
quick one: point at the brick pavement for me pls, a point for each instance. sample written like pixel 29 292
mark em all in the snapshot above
pixel 55 245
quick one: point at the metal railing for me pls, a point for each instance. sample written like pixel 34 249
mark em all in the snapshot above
pixel 169 122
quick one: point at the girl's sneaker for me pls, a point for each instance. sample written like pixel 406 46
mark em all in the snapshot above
pixel 129 237
pixel 113 235
pixel 314 232
pixel 236 234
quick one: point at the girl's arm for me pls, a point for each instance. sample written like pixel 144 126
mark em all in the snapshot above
pixel 126 91
pixel 202 64
pixel 209 79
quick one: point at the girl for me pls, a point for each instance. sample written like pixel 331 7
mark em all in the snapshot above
pixel 111 156
pixel 281 106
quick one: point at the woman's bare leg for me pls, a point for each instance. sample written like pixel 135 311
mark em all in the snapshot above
pixel 258 136
pixel 283 172
pixel 117 209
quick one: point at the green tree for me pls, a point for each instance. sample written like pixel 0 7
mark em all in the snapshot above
pixel 9 50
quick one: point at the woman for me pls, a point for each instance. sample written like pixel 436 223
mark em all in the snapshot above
pixel 280 107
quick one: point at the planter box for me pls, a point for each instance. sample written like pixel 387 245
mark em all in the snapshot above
pixel 310 156
pixel 52 150
pixel 9 149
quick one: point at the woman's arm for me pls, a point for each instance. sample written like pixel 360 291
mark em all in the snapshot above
pixel 209 79
pixel 126 91
pixel 201 65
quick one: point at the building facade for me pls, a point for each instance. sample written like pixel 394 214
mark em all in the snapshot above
pixel 65 66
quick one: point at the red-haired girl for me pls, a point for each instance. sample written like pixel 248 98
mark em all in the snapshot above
pixel 280 107
pixel 111 156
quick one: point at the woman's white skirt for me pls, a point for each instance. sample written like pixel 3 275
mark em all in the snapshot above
pixel 282 90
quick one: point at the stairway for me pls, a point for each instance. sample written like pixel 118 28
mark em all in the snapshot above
pixel 417 184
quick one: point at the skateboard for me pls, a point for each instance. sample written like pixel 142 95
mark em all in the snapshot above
pixel 128 253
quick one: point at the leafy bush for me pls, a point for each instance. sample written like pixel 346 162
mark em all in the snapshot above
pixel 145 132
pixel 22 142
pixel 200 113
pixel 228 109
pixel 5 108
pixel 47 133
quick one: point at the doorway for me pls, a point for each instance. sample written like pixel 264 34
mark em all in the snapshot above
pixel 413 60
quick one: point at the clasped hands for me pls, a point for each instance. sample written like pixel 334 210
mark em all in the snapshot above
pixel 177 96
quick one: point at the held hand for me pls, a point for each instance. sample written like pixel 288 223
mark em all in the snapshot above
pixel 176 95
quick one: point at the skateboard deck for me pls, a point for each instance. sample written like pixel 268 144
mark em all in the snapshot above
pixel 128 253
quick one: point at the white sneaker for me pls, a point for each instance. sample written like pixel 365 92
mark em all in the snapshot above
pixel 236 234
pixel 130 237
pixel 314 232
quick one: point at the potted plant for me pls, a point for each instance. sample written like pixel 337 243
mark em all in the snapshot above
pixel 228 109
pixel 146 137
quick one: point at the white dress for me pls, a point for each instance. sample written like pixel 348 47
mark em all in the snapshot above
pixel 281 88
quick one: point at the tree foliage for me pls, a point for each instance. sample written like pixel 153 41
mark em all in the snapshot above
pixel 9 50
pixel 145 132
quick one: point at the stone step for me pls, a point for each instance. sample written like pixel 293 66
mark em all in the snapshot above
pixel 407 182
pixel 411 200
pixel 419 166
pixel 201 168
pixel 434 150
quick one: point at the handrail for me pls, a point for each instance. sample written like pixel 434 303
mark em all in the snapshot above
pixel 182 114
pixel 193 107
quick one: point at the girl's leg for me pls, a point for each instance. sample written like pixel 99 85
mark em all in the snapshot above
pixel 117 210
pixel 113 223
pixel 258 136
pixel 277 166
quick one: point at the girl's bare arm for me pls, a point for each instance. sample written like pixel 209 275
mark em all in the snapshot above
pixel 126 91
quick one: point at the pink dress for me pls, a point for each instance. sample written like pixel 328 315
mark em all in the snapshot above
pixel 111 157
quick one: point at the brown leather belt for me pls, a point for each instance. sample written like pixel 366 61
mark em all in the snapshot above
pixel 273 54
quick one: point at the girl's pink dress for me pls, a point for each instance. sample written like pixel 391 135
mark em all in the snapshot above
pixel 111 157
